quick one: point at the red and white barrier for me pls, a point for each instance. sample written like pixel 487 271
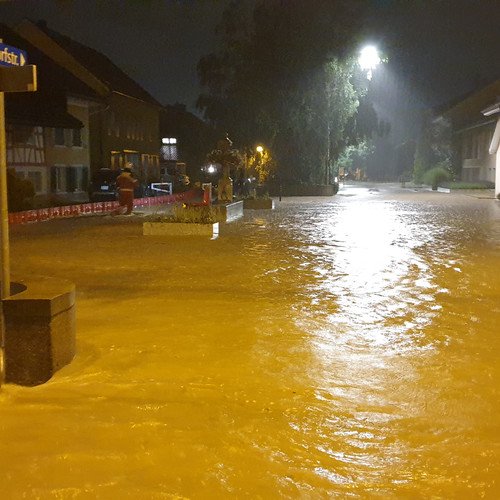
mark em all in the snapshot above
pixel 99 207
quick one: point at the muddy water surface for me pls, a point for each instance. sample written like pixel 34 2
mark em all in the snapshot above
pixel 343 347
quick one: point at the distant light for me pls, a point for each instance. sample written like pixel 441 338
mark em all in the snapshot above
pixel 259 149
pixel 369 59
pixel 169 140
pixel 211 169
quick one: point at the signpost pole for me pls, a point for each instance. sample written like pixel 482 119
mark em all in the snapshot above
pixel 4 211
pixel 4 235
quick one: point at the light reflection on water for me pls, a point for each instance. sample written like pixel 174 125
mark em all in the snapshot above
pixel 396 297
pixel 343 347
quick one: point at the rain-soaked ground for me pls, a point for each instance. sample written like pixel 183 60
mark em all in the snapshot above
pixel 344 347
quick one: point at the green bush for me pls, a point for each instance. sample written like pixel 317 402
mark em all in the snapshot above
pixel 189 213
pixel 418 172
pixel 470 185
pixel 436 176
pixel 20 192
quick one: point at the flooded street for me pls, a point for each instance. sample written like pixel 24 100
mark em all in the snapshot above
pixel 340 347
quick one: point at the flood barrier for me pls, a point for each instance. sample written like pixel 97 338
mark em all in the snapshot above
pixel 99 207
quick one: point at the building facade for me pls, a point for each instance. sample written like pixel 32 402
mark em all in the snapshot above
pixel 475 127
pixel 124 122
pixel 47 131
pixel 494 144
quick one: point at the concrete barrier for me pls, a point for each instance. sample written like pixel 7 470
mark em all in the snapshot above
pixel 227 212
pixel 40 330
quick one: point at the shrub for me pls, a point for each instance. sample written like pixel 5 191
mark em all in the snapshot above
pixel 189 214
pixel 20 192
pixel 469 185
pixel 436 176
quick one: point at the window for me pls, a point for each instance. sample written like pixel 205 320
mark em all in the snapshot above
pixel 58 179
pixel 111 123
pixel 77 137
pixel 169 140
pixel 59 136
pixel 169 152
pixel 77 178
pixel 115 160
pixel 36 179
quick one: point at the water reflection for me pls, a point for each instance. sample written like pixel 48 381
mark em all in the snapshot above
pixel 386 291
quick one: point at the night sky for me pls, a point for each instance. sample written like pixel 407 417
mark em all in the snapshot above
pixel 439 48
pixel 158 43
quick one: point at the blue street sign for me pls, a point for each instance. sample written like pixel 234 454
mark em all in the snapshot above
pixel 12 56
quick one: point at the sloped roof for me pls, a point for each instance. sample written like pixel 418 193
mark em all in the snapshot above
pixel 469 107
pixel 31 108
pixel 46 106
pixel 100 66
pixel 50 75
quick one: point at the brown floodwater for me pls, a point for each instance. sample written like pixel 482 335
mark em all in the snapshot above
pixel 341 347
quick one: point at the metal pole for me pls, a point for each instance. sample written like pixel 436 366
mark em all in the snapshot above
pixel 4 236
pixel 4 210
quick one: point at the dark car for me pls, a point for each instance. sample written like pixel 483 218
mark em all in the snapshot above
pixel 103 185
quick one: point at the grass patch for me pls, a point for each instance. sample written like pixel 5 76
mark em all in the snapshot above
pixel 469 185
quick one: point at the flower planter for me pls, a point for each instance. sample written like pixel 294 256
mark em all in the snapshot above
pixel 180 229
pixel 258 203
pixel 227 212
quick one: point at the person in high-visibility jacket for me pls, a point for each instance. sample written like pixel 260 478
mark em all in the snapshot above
pixel 126 184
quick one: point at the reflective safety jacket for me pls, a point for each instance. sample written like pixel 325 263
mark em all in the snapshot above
pixel 126 182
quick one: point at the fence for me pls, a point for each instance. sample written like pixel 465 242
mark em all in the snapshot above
pixel 100 207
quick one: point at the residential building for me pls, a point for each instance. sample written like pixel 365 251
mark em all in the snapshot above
pixel 186 140
pixel 124 126
pixel 494 147
pixel 474 122
pixel 47 131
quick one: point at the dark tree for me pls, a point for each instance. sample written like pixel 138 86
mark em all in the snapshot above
pixel 284 76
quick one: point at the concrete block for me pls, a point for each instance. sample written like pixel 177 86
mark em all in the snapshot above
pixel 226 212
pixel 40 330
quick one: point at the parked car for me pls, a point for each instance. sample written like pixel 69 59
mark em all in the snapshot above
pixel 103 185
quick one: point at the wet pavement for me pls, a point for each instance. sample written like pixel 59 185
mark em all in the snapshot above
pixel 344 347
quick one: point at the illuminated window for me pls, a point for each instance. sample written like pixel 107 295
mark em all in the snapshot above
pixel 169 140
pixel 169 152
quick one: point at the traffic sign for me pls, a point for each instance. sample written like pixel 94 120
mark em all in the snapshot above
pixel 12 56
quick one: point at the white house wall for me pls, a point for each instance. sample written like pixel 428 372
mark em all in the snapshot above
pixel 497 179
pixel 494 151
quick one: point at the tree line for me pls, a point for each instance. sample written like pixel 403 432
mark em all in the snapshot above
pixel 286 75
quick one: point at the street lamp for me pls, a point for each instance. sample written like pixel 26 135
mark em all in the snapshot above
pixel 369 59
pixel 259 149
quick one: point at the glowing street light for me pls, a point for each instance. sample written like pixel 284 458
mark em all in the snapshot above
pixel 369 59
pixel 259 149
